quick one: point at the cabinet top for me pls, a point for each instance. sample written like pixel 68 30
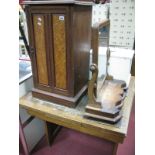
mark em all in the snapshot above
pixel 77 2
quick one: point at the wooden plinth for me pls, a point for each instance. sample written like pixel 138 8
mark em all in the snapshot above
pixel 109 101
pixel 60 99
pixel 111 116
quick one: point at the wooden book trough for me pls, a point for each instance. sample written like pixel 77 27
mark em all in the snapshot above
pixel 105 96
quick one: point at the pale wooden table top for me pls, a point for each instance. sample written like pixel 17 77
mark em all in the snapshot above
pixel 73 118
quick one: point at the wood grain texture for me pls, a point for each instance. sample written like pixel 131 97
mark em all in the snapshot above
pixel 105 96
pixel 77 42
pixel 107 104
pixel 59 37
pixel 111 94
pixel 95 37
pixel 39 32
pixel 81 31
pixel 73 118
pixel 60 99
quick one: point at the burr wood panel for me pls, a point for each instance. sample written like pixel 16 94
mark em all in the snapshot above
pixel 59 50
pixel 39 33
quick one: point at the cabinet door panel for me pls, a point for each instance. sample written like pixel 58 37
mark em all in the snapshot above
pixel 51 62
pixel 59 46
pixel 40 49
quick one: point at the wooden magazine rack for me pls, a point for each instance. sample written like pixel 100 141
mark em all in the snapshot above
pixel 105 96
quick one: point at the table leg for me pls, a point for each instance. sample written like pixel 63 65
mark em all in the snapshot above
pixel 115 149
pixel 51 130
pixel 22 139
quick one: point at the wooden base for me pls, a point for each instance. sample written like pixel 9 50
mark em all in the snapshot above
pixel 59 99
pixel 109 101
pixel 95 112
pixel 97 109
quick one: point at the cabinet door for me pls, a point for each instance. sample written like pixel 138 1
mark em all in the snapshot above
pixel 40 55
pixel 40 49
pixel 49 28
pixel 59 51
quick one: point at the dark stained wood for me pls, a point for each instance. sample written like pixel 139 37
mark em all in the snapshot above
pixel 67 67
pixel 81 44
pixel 96 109
pixel 105 96
pixel 95 43
pixel 39 33
pixel 60 99
pixel 59 50
pixel 32 45
pixel 107 104
pixel 95 38
pixel 51 131
pixel 98 117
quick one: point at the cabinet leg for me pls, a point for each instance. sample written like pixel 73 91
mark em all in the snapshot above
pixel 51 130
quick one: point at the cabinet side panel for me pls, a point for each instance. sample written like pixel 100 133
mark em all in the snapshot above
pixel 59 39
pixel 39 33
pixel 82 45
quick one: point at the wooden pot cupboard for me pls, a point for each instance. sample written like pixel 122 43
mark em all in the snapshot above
pixel 60 42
